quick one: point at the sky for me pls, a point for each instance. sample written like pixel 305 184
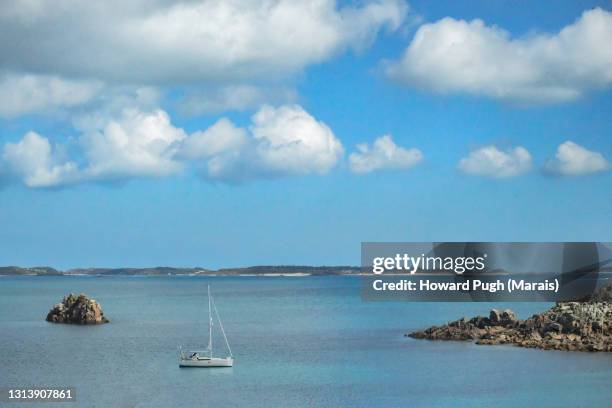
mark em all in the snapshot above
pixel 224 134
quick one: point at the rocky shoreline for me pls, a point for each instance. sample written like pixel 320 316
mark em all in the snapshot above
pixel 571 326
pixel 77 309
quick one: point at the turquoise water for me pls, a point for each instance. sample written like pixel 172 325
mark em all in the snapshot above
pixel 297 342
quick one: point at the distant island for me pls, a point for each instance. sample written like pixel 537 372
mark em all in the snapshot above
pixel 279 270
pixel 37 270
pixel 262 270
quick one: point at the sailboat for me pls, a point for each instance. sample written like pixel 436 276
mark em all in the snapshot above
pixel 205 358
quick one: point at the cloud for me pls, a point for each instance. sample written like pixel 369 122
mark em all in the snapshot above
pixel 221 137
pixel 37 163
pixel 219 151
pixel 574 160
pixel 233 97
pixel 383 154
pixel 281 141
pixel 24 94
pixel 137 145
pixel 185 41
pixel 289 140
pixel 221 55
pixel 489 161
pixel 470 57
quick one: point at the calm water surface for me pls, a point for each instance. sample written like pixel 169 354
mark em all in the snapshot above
pixel 297 342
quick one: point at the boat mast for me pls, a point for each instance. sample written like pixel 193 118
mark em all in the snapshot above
pixel 222 331
pixel 210 344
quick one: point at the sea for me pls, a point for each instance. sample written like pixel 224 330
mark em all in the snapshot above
pixel 308 341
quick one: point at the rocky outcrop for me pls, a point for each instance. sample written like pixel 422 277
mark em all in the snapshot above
pixel 77 309
pixel 570 326
pixel 604 294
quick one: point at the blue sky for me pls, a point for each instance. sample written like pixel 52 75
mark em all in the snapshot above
pixel 286 182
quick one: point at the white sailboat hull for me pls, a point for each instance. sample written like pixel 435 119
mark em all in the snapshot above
pixel 206 362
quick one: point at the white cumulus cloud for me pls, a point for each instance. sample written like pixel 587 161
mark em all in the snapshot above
pixel 156 41
pixel 290 140
pixel 138 144
pixel 221 137
pixel 572 159
pixel 471 57
pixel 37 163
pixel 222 55
pixel 281 141
pixel 383 154
pixel 489 161
pixel 23 94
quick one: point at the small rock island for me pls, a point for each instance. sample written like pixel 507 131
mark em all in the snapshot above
pixel 77 309
pixel 572 326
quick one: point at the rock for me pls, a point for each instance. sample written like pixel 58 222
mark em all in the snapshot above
pixel 494 316
pixel 508 317
pixel 596 326
pixel 505 318
pixel 535 335
pixel 553 327
pixel 604 294
pixel 480 322
pixel 77 309
pixel 571 326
